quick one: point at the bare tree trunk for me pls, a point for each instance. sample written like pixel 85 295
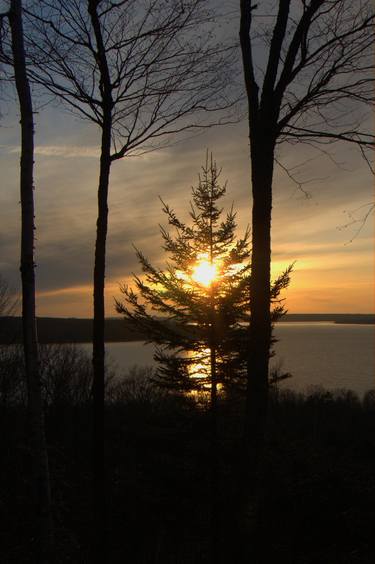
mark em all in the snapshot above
pixel 214 470
pixel 99 538
pixel 260 304
pixel 262 144
pixel 99 484
pixel 41 480
pixel 262 118
pixel 214 477
pixel 259 344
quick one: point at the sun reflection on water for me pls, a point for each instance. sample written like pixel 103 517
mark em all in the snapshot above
pixel 201 370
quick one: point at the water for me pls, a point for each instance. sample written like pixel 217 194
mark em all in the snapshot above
pixel 316 354
pixel 327 354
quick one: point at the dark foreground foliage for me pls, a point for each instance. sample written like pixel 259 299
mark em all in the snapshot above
pixel 317 486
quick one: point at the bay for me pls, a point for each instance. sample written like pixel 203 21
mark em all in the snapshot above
pixel 333 356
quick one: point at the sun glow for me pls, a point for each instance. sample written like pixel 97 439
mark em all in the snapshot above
pixel 204 272
pixel 201 369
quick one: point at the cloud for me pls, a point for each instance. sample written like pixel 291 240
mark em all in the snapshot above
pixel 66 210
pixel 62 151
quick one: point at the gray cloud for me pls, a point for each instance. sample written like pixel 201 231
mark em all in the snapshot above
pixel 66 182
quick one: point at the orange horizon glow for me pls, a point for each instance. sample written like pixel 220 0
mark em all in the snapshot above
pixel 323 291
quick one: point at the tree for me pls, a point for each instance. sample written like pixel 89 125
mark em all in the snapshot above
pixel 140 71
pixel 7 301
pixel 202 298
pixel 313 87
pixel 12 378
pixel 201 295
pixel 39 456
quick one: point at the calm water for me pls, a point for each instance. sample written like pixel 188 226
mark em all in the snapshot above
pixel 316 354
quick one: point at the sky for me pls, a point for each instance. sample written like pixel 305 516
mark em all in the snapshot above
pixel 334 265
pixel 334 261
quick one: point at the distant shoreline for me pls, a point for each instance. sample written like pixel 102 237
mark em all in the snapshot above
pixel 348 318
pixel 76 330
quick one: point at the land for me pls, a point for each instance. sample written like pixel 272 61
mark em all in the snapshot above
pixel 351 318
pixel 67 330
pixel 75 330
pixel 316 486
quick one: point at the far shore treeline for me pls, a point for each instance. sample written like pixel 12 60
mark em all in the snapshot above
pixel 75 330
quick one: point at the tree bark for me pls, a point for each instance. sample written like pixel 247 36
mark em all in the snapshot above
pixel 262 117
pixel 39 456
pixel 99 494
pixel 214 470
pixel 262 156
pixel 99 537
pixel 260 329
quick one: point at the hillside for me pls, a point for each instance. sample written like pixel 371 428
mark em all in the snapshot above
pixel 74 330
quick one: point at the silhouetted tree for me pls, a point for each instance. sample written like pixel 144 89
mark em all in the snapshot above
pixel 8 302
pixel 313 86
pixel 140 71
pixel 39 456
pixel 12 377
pixel 202 298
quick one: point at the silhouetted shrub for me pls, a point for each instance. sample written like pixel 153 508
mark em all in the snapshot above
pixel 316 487
pixel 12 377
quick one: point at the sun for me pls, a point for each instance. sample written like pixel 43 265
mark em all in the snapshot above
pixel 204 272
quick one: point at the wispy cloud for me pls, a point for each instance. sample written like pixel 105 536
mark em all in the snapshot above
pixel 63 151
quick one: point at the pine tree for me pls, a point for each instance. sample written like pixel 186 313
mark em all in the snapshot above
pixel 196 309
pixel 202 300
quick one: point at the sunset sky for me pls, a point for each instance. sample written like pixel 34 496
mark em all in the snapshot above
pixel 332 273
pixel 334 264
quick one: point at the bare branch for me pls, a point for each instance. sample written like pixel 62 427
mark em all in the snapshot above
pixel 360 221
pixel 251 85
pixel 163 67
